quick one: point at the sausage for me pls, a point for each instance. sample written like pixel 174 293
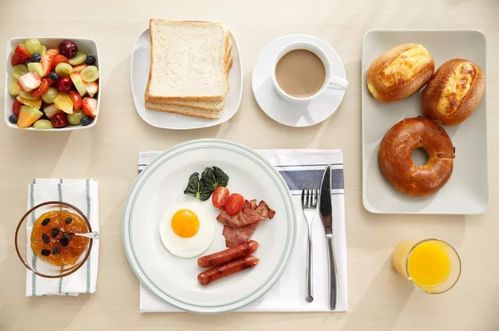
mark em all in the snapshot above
pixel 235 252
pixel 227 269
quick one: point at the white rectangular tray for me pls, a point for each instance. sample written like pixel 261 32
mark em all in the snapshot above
pixel 467 191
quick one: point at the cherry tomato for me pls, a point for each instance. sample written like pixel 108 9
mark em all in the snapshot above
pixel 59 58
pixel 16 107
pixel 40 90
pixel 234 204
pixel 220 196
pixel 77 100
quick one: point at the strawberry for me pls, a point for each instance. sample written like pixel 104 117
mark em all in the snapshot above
pixel 16 106
pixel 58 59
pixel 40 90
pixel 20 56
pixel 77 100
pixel 92 88
pixel 47 60
pixel 89 107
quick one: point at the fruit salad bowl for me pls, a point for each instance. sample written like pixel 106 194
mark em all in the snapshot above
pixel 52 84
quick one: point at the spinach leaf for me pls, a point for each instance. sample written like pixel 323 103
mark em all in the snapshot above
pixel 213 177
pixel 203 188
pixel 193 186
pixel 221 177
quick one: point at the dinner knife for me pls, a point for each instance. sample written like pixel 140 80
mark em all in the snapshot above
pixel 326 214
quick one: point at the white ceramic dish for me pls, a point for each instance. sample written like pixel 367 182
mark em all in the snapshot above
pixel 467 191
pixel 139 74
pixel 285 112
pixel 85 44
pixel 174 279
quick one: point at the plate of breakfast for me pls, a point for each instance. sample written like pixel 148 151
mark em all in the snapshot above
pixel 209 226
pixel 190 78
pixel 424 122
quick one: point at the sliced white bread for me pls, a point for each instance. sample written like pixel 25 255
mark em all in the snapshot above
pixel 188 111
pixel 205 105
pixel 188 61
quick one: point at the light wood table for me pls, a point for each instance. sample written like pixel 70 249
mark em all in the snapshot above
pixel 379 299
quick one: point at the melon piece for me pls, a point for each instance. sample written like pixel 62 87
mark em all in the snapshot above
pixel 63 102
pixel 78 83
pixel 28 116
pixel 33 103
pixel 36 67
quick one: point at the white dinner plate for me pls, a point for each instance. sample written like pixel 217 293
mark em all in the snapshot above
pixel 162 184
pixel 467 191
pixel 282 111
pixel 139 74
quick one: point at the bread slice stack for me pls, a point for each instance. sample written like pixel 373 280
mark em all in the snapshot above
pixel 190 62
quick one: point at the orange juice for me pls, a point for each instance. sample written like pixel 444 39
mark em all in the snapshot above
pixel 428 264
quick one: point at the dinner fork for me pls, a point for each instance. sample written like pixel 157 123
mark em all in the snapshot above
pixel 309 199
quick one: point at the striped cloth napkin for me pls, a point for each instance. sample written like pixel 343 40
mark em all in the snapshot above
pixel 82 193
pixel 300 169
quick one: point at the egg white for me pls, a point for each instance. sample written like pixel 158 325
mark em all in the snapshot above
pixel 192 246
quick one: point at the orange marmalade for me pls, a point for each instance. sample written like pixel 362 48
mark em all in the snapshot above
pixel 53 239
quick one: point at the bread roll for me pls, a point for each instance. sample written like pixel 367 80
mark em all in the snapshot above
pixel 454 92
pixel 400 72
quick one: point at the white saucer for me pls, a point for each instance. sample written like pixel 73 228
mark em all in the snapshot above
pixel 284 112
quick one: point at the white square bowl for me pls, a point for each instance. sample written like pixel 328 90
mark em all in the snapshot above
pixel 467 191
pixel 85 44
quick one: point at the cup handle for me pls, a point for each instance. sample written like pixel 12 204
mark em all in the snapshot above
pixel 337 83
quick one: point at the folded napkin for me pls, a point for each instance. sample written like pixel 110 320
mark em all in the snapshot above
pixel 82 193
pixel 300 168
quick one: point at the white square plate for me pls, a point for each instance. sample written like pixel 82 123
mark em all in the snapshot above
pixel 85 44
pixel 140 63
pixel 467 191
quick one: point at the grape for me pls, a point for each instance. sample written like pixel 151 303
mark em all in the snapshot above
pixel 90 74
pixel 19 70
pixel 43 124
pixel 13 87
pixel 63 69
pixel 50 95
pixel 33 46
pixel 75 118
pixel 79 58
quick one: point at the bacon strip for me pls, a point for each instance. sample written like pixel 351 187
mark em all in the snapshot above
pixel 240 227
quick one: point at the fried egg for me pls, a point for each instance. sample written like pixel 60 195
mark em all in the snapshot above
pixel 187 229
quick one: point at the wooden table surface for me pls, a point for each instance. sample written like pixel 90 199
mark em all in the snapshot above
pixel 378 298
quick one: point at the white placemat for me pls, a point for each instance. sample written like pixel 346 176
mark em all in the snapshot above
pixel 82 193
pixel 300 168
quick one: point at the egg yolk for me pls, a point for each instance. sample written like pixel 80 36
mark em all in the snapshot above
pixel 185 223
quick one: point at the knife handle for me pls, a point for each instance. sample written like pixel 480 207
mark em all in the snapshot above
pixel 332 273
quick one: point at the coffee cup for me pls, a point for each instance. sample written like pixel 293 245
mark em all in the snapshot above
pixel 302 72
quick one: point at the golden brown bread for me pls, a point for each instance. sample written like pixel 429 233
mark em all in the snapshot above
pixel 395 156
pixel 400 72
pixel 454 92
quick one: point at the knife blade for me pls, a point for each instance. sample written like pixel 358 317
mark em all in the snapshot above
pixel 326 215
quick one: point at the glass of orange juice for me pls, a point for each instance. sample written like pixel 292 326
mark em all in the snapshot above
pixel 432 265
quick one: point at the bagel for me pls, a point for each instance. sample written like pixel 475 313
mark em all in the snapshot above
pixel 395 156
pixel 454 92
pixel 400 72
